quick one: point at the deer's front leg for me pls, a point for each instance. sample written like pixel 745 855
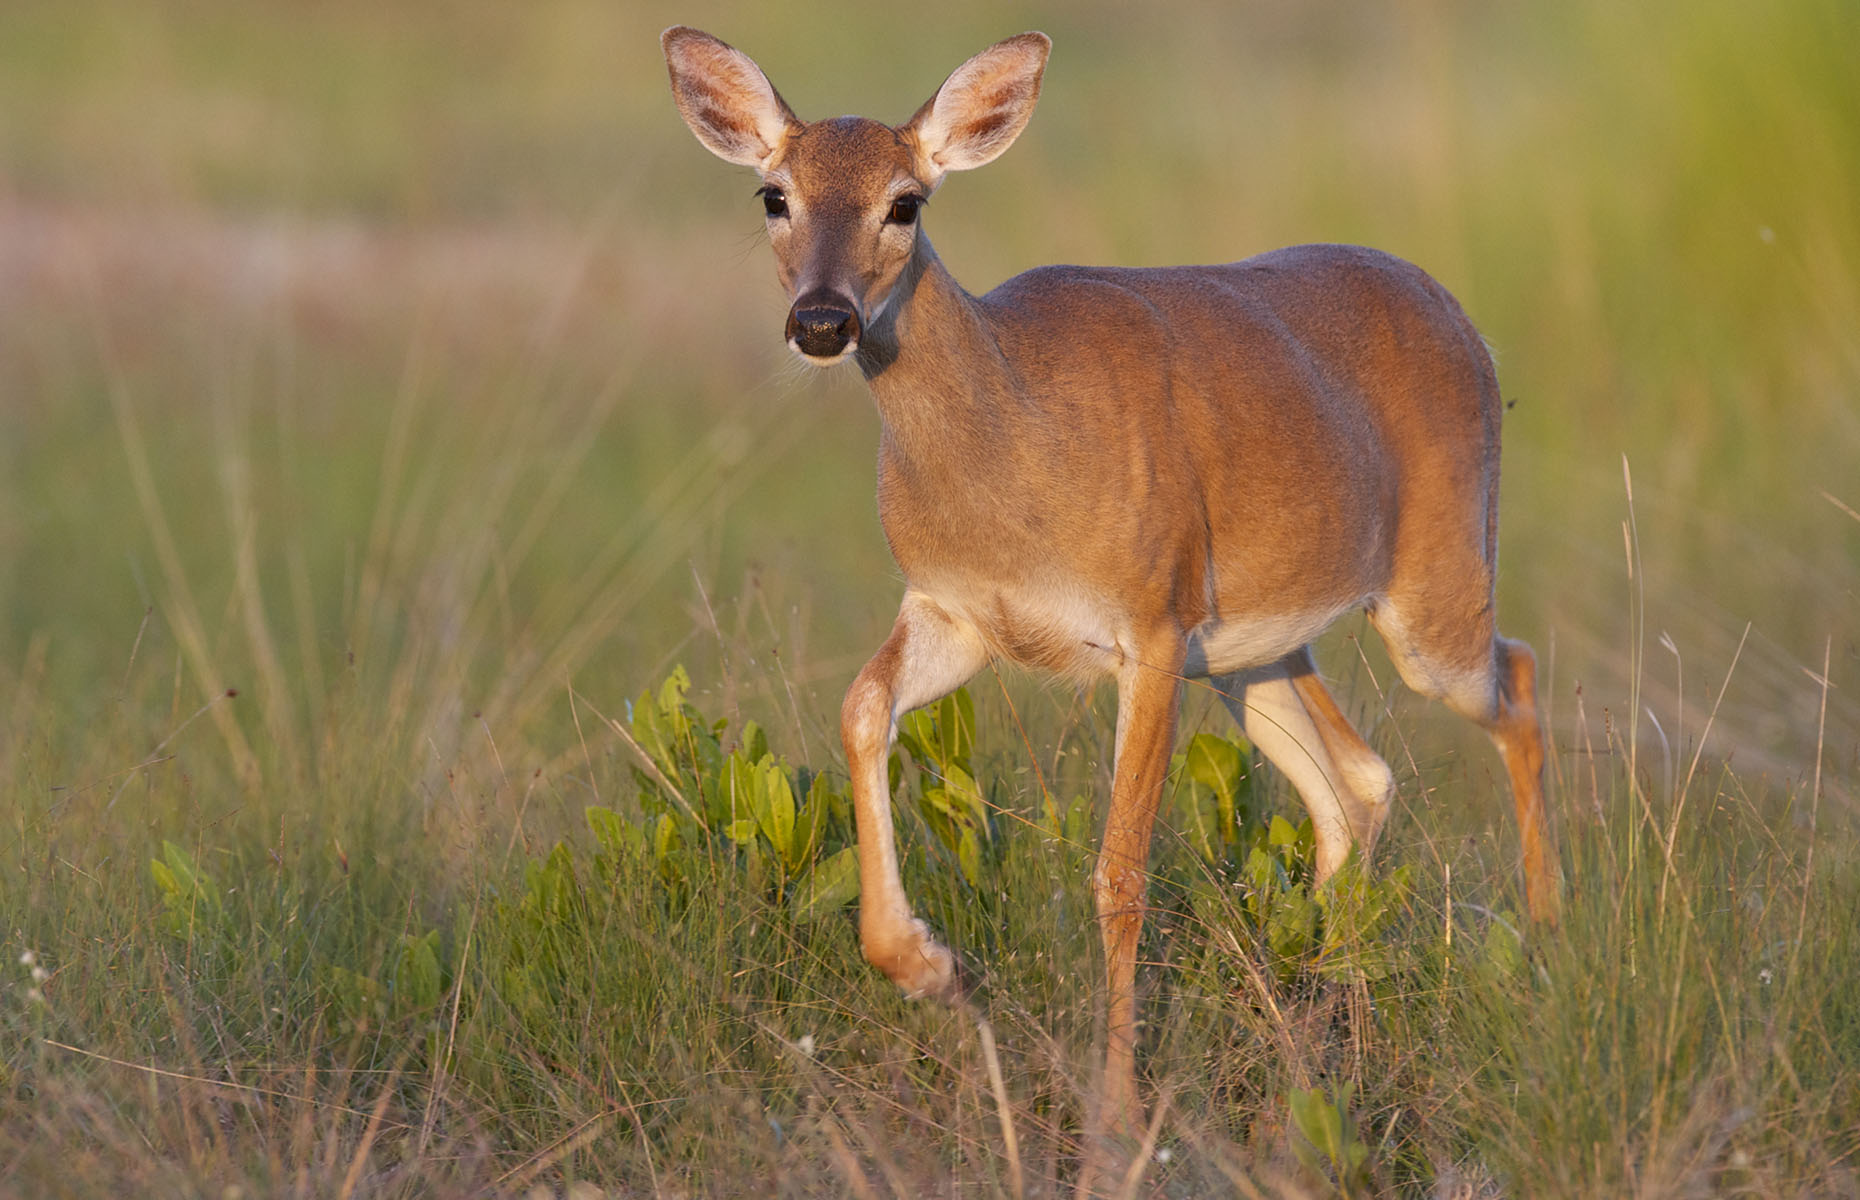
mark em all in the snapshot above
pixel 928 655
pixel 1147 701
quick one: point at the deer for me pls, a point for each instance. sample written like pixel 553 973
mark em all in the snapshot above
pixel 1152 474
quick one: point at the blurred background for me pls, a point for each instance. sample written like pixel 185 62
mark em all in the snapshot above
pixel 413 359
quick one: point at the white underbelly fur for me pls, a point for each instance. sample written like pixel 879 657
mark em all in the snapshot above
pixel 1221 647
pixel 1074 634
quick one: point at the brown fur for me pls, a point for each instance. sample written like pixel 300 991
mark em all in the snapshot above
pixel 1142 473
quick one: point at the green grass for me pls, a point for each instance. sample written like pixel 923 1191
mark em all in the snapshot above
pixel 411 373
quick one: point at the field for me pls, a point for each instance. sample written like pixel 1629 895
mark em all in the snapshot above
pixel 427 587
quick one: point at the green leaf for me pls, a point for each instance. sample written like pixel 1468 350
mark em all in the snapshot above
pixel 1215 763
pixel 839 800
pixel 189 879
pixel 1209 775
pixel 941 735
pixel 969 856
pixel 810 819
pixel 552 892
pixel 938 803
pixel 1292 925
pixel 1503 950
pixel 657 721
pixel 755 742
pixel 773 801
pixel 1324 1122
pixel 734 783
pixel 188 893
pixel 665 838
pixel 1262 873
pixel 917 734
pixel 613 832
pixel 418 981
pixel 832 884
pixel 1330 1136
pixel 1311 1115
pixel 675 738
pixel 1071 824
pixel 1358 909
pixel 824 804
pixel 714 797
pixel 1196 813
pixel 965 791
pixel 736 788
pixel 355 998
pixel 957 711
pixel 521 991
pixel 673 691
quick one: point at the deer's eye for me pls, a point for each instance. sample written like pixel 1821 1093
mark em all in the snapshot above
pixel 773 202
pixel 904 209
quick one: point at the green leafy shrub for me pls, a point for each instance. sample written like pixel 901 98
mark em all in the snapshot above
pixel 1336 931
pixel 189 896
pixel 791 827
pixel 940 738
pixel 1329 1144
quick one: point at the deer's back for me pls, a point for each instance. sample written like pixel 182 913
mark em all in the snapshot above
pixel 1308 341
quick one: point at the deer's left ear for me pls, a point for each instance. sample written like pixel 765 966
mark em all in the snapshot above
pixel 726 99
pixel 981 108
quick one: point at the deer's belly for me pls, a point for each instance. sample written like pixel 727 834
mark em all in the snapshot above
pixel 1046 627
pixel 1218 647
pixel 1072 633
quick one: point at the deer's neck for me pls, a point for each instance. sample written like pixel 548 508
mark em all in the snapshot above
pixel 952 421
pixel 938 376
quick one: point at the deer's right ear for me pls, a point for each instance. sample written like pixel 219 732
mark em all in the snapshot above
pixel 726 99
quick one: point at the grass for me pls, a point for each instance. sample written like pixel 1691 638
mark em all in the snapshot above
pixel 411 375
pixel 583 1015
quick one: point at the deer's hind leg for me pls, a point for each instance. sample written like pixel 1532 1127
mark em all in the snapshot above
pixel 1289 715
pixel 1457 656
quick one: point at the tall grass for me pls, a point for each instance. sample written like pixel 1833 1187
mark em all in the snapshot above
pixel 581 1015
pixel 388 396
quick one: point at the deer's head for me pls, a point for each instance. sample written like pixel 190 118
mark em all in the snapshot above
pixel 842 197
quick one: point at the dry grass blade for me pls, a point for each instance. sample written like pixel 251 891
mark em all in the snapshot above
pixel 1010 1144
pixel 365 1147
pixel 847 1161
pixel 1814 811
pixel 1146 1153
pixel 183 613
pixel 652 768
pixel 1843 506
pixel 185 1077
pixel 556 1151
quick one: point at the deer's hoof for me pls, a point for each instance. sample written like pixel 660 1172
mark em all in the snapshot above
pixel 919 964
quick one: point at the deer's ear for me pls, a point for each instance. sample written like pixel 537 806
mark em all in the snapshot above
pixel 726 99
pixel 981 108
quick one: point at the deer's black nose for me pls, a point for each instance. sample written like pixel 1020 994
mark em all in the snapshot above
pixel 822 325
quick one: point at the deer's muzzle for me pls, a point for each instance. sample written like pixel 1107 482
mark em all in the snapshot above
pixel 822 325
